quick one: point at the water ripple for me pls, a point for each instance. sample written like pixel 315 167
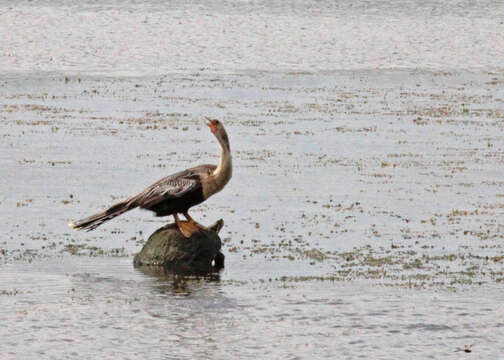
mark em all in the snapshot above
pixel 127 37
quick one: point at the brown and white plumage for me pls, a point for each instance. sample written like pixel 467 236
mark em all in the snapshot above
pixel 176 193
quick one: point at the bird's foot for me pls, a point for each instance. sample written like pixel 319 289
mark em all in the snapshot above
pixel 200 227
pixel 187 228
pixel 195 223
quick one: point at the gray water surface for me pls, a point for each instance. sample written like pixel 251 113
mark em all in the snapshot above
pixel 154 37
pixel 103 308
pixel 364 214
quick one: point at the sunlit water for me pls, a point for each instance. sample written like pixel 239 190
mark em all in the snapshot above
pixel 363 217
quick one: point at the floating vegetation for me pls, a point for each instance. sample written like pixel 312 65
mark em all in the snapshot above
pixel 89 250
pixel 408 195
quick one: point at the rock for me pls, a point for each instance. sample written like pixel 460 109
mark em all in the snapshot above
pixel 198 254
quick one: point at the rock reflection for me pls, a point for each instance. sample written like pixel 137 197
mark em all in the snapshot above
pixel 169 280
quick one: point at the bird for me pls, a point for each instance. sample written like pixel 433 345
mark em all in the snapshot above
pixel 177 193
pixel 466 348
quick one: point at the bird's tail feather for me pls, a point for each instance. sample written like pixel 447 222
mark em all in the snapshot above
pixel 93 221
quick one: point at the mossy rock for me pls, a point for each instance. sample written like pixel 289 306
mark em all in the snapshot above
pixel 167 247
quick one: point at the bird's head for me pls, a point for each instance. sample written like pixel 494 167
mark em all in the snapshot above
pixel 213 124
pixel 218 130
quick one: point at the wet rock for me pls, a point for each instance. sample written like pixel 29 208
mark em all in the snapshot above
pixel 167 247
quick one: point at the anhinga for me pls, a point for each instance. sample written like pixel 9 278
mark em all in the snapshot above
pixel 177 193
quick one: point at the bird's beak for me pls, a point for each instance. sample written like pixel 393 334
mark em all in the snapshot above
pixel 211 124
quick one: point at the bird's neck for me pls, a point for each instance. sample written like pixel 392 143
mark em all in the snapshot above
pixel 223 172
pixel 221 175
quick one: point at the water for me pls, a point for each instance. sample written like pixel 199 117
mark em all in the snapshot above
pixel 104 308
pixel 130 37
pixel 363 216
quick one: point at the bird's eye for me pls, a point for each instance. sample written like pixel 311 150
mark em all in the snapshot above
pixel 217 122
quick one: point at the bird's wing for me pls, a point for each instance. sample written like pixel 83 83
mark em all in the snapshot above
pixel 170 187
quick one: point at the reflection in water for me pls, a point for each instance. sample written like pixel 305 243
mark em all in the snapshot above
pixel 176 282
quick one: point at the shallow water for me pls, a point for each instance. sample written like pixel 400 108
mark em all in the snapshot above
pixel 104 308
pixel 363 218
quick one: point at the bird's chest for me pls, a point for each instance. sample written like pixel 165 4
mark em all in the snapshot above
pixel 214 184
